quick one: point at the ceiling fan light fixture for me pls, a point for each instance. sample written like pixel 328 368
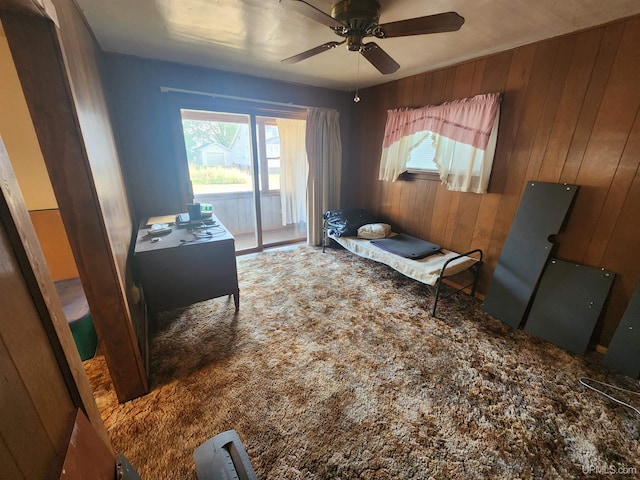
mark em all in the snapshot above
pixel 354 43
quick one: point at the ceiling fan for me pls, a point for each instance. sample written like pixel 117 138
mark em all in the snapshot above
pixel 354 20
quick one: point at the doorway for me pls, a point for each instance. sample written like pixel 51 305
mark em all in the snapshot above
pixel 251 168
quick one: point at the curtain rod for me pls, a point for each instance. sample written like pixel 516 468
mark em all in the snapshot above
pixel 230 97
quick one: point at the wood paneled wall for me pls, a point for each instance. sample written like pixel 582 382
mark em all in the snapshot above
pixel 54 242
pixel 145 119
pixel 36 407
pixel 569 114
pixel 42 381
pixel 59 69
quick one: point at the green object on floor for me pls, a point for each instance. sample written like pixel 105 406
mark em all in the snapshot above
pixel 76 309
pixel 84 334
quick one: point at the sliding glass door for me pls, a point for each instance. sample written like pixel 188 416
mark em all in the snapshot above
pixel 252 170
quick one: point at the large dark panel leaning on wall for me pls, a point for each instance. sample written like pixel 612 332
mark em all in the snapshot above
pixel 541 214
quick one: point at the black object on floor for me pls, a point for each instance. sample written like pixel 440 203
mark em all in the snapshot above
pixel 223 457
pixel 568 304
pixel 124 469
pixel 540 216
pixel 623 352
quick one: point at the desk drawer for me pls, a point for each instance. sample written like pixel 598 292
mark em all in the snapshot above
pixel 188 274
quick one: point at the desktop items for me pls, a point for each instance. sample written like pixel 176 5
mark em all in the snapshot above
pixel 190 264
pixel 159 229
pixel 182 220
pixel 196 214
pixel 206 210
pixel 194 211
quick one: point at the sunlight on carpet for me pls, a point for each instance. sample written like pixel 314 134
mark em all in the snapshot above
pixel 334 369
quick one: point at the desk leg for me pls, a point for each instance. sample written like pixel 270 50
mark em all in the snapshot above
pixel 236 300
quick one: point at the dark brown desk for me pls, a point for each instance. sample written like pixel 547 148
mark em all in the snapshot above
pixel 180 269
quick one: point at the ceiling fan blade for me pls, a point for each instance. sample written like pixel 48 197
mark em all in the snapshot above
pixel 379 58
pixel 310 53
pixel 312 12
pixel 439 23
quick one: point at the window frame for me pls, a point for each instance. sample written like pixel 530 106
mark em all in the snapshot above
pixel 422 173
pixel 459 122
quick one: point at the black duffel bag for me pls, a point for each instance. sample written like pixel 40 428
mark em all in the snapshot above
pixel 345 223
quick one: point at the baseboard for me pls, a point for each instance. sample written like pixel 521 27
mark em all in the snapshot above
pixel 601 349
pixel 463 288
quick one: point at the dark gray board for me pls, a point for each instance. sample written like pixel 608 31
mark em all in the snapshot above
pixel 407 246
pixel 541 214
pixel 623 352
pixel 568 304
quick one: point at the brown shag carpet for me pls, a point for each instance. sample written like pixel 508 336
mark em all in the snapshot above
pixel 334 369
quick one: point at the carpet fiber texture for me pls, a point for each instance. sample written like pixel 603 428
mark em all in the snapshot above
pixel 334 369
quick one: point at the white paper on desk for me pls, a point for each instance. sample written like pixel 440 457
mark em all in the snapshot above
pixel 159 229
pixel 159 226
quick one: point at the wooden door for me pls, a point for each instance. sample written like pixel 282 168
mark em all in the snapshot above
pixel 58 64
pixel 43 382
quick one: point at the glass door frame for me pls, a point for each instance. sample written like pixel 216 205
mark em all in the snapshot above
pixel 209 102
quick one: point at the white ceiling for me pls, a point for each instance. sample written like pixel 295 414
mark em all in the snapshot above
pixel 252 36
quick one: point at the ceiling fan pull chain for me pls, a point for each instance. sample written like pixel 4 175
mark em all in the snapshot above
pixel 356 99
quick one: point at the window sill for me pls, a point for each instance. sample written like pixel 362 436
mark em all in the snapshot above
pixel 420 175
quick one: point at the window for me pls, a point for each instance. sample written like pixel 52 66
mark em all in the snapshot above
pixel 250 165
pixel 272 143
pixel 218 148
pixel 422 157
pixel 456 139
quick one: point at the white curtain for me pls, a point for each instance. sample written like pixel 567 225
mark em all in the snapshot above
pixel 464 134
pixel 463 167
pixel 324 154
pixel 293 170
pixel 395 157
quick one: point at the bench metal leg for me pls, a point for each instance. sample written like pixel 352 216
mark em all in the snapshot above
pixel 473 285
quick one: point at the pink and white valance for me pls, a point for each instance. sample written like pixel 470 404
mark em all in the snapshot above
pixel 468 120
pixel 470 123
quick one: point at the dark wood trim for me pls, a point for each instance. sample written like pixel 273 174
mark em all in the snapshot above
pixel 41 64
pixel 17 223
